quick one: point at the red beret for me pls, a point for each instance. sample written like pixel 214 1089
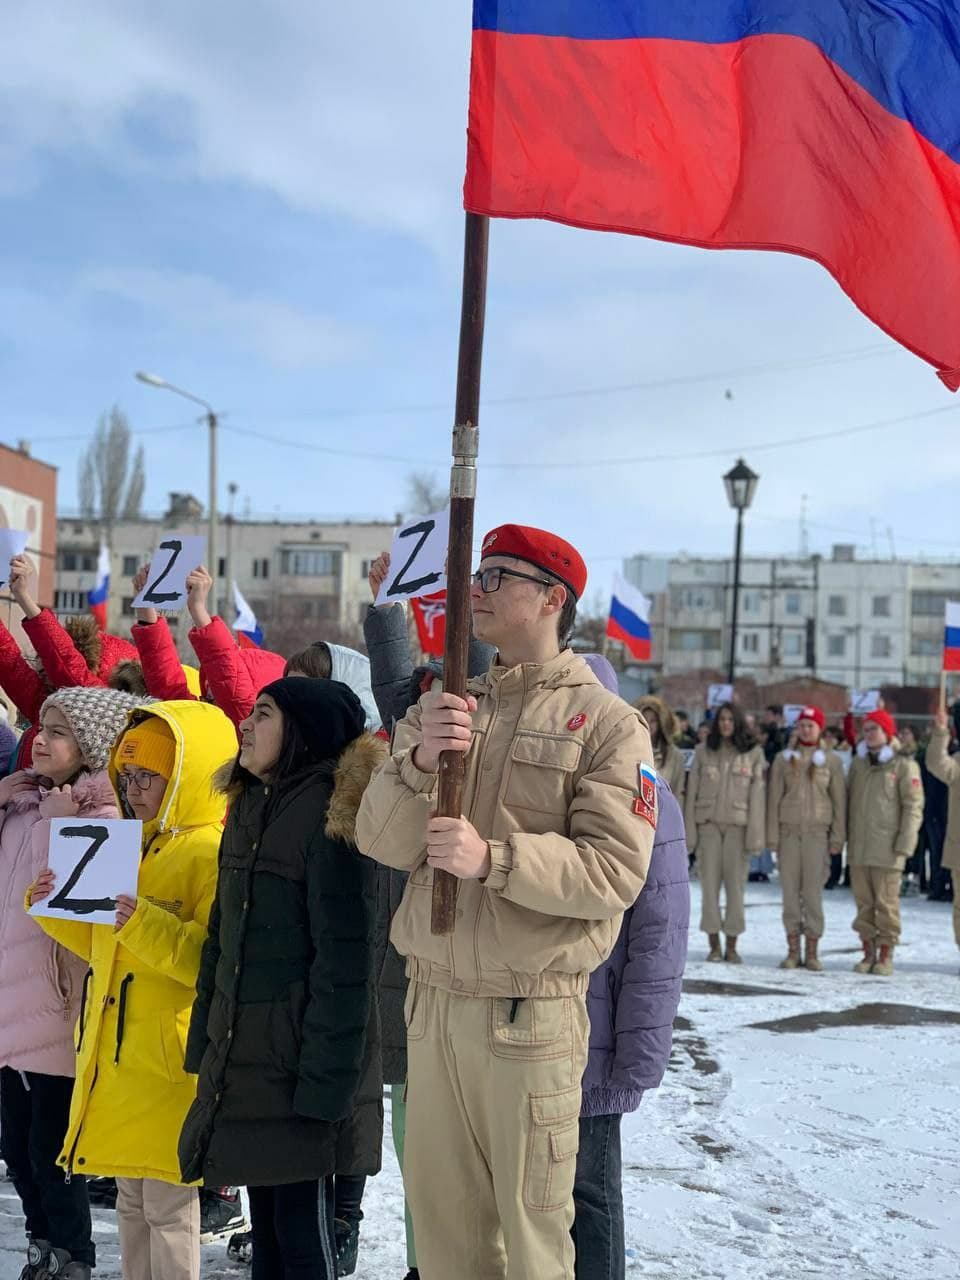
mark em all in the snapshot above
pixel 815 714
pixel 885 721
pixel 537 547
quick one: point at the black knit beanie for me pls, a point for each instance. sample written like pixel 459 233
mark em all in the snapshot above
pixel 328 714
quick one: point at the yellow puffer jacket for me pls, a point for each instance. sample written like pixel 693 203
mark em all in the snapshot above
pixel 132 1093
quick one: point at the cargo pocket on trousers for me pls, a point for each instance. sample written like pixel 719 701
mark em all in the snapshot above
pixel 552 1147
pixel 415 1011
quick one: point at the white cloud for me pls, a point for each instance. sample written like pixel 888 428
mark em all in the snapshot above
pixel 286 336
pixel 347 109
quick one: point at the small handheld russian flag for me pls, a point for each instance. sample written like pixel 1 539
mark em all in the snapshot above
pixel 629 620
pixel 951 637
pixel 99 597
pixel 248 629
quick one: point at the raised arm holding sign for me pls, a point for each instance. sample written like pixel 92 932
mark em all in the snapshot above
pixel 166 585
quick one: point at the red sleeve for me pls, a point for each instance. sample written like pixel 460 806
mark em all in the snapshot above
pixel 162 671
pixel 62 662
pixel 223 670
pixel 850 728
pixel 20 682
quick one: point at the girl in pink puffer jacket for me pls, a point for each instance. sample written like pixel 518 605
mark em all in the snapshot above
pixel 41 984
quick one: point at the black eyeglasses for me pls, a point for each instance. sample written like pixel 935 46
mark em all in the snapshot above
pixel 489 580
pixel 142 779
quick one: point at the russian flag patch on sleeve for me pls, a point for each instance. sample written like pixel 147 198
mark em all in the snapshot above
pixel 645 804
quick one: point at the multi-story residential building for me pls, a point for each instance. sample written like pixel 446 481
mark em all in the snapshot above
pixel 303 580
pixel 859 623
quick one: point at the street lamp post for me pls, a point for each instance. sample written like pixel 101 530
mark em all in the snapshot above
pixel 152 380
pixel 740 484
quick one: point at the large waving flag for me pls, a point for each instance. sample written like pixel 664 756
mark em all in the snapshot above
pixel 951 637
pixel 827 128
pixel 99 597
pixel 629 620
pixel 248 629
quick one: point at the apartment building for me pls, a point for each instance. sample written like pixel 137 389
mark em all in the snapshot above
pixel 859 623
pixel 303 580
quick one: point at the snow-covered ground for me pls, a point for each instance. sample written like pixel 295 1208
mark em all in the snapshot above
pixel 803 1151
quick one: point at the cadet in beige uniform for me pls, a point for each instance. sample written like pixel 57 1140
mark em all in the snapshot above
pixel 884 815
pixel 724 816
pixel 560 805
pixel 806 823
pixel 669 759
pixel 947 768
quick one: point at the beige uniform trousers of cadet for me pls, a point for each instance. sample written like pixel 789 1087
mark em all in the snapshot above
pixel 159 1225
pixel 722 860
pixel 493 1124
pixel 801 861
pixel 876 891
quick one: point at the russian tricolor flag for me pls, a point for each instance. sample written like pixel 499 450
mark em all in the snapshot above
pixel 99 597
pixel 826 128
pixel 248 629
pixel 951 638
pixel 629 620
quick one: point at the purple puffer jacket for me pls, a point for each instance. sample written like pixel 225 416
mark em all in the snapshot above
pixel 633 997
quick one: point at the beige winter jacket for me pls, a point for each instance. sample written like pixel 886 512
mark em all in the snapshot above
pixel 669 759
pixel 807 789
pixel 947 768
pixel 884 810
pixel 727 788
pixel 552 780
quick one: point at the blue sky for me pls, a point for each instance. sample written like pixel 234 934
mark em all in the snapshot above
pixel 262 204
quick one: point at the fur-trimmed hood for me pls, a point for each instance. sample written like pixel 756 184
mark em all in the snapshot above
pixel 357 764
pixel 668 721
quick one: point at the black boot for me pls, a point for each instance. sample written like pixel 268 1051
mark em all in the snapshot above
pixel 221 1214
pixel 347 1237
pixel 836 868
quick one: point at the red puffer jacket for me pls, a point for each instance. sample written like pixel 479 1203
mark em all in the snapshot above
pixel 63 666
pixel 232 676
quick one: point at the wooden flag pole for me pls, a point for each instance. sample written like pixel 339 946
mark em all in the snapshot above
pixel 463 492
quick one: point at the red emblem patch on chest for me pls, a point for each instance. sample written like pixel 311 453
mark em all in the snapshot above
pixel 577 722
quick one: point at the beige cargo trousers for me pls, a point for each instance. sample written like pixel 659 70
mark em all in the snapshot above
pixel 493 1123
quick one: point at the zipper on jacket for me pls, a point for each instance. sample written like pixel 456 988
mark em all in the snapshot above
pixel 121 1015
pixel 68 1172
pixel 84 991
pixel 515 1004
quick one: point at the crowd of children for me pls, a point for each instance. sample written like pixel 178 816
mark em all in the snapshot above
pixel 235 1025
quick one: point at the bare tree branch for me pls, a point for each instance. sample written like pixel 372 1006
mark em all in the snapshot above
pixel 87 488
pixel 425 494
pixel 133 503
pixel 108 486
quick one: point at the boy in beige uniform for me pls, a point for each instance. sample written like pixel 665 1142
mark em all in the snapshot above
pixel 555 845
pixel 884 815
pixel 947 768
pixel 806 823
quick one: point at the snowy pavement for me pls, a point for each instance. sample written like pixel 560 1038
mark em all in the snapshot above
pixel 782 1143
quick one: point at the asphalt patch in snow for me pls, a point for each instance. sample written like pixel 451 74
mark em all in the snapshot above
pixel 708 987
pixel 862 1015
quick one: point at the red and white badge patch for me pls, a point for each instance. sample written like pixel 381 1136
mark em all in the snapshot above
pixel 645 804
pixel 577 722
